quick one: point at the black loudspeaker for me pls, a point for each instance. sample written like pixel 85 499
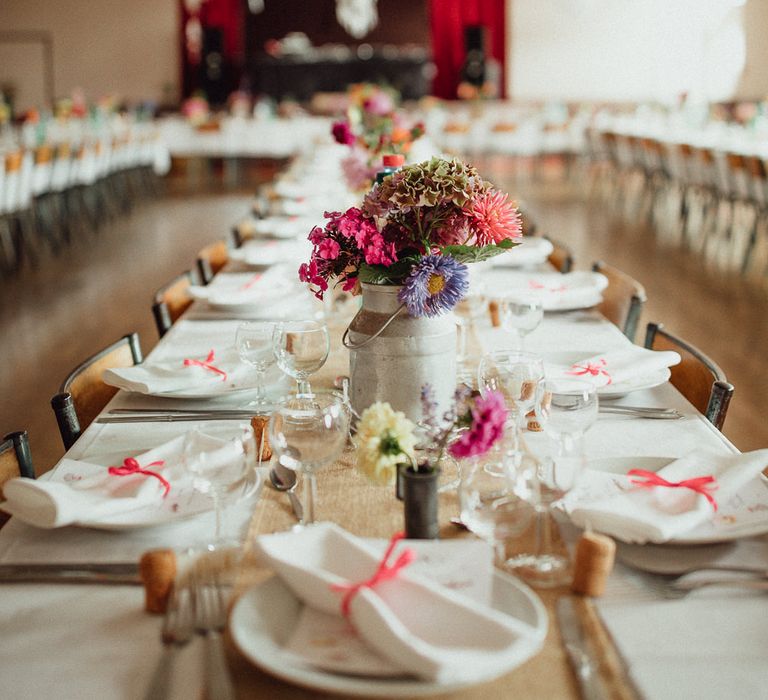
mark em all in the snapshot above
pixel 473 70
pixel 212 65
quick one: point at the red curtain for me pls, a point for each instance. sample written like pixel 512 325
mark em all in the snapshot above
pixel 447 21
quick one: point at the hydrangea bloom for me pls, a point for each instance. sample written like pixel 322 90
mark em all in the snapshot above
pixel 385 438
pixel 436 284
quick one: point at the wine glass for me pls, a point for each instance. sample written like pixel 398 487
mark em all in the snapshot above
pixel 466 312
pixel 220 458
pixel 565 408
pixel 521 312
pixel 491 508
pixel 516 375
pixel 301 348
pixel 308 433
pixel 254 345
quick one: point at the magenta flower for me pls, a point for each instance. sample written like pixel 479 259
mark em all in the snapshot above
pixel 489 414
pixel 342 133
pixel 328 249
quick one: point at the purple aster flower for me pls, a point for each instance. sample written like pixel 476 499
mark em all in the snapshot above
pixel 489 414
pixel 436 284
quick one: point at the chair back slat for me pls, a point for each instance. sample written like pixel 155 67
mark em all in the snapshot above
pixel 211 259
pixel 697 377
pixel 623 299
pixel 171 301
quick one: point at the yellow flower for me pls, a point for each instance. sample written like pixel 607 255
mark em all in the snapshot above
pixel 384 439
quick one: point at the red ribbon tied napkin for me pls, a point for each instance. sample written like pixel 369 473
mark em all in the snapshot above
pixel 251 282
pixel 593 369
pixel 206 364
pixel 703 485
pixel 131 466
pixel 384 572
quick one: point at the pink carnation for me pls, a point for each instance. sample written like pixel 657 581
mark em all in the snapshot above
pixel 489 414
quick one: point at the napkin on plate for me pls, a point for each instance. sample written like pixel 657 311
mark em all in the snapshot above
pixel 83 493
pixel 414 624
pixel 615 367
pixel 238 289
pixel 263 253
pixel 531 251
pixel 173 375
pixel 612 504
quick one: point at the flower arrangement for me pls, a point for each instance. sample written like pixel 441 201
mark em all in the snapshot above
pixel 386 439
pixel 372 127
pixel 418 228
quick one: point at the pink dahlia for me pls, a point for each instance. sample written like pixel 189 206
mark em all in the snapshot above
pixel 493 218
pixel 489 413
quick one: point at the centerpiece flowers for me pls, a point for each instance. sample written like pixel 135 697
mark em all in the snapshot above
pixel 371 128
pixel 418 228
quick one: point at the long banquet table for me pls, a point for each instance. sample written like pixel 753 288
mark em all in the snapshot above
pixel 86 641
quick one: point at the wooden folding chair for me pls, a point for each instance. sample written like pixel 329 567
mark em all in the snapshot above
pixel 623 299
pixel 697 377
pixel 171 301
pixel 83 394
pixel 15 460
pixel 211 259
pixel 561 257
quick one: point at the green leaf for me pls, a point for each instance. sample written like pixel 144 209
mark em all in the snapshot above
pixel 380 274
pixel 471 254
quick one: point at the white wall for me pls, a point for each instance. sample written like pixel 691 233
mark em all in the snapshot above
pixel 123 47
pixel 626 50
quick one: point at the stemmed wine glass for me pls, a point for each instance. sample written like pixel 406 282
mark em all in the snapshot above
pixel 491 508
pixel 516 375
pixel 254 345
pixel 521 313
pixel 301 348
pixel 308 433
pixel 220 457
pixel 565 408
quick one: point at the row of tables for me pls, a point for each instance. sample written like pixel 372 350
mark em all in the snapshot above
pixel 96 641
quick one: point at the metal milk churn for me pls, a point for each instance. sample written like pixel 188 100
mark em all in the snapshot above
pixel 393 355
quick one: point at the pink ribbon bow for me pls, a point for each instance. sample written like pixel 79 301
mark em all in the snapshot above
pixel 131 466
pixel 251 282
pixel 700 484
pixel 384 572
pixel 206 364
pixel 593 369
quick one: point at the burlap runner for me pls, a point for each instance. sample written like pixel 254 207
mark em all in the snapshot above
pixel 347 498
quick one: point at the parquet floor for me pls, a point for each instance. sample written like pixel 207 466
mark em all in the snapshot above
pixel 101 287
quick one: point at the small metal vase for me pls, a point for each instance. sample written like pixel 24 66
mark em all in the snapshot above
pixel 418 492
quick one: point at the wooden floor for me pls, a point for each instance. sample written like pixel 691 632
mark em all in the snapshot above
pixel 101 287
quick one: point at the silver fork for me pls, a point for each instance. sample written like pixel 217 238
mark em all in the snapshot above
pixel 177 630
pixel 210 621
pixel 674 587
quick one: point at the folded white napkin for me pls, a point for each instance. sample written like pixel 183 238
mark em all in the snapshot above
pixel 612 504
pixel 615 367
pixel 238 289
pixel 533 250
pixel 173 375
pixel 87 494
pixel 423 629
pixel 263 253
pixel 286 226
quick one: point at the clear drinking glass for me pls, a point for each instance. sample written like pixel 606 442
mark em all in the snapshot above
pixel 565 409
pixel 220 458
pixel 521 312
pixel 491 509
pixel 253 341
pixel 308 433
pixel 516 375
pixel 301 348
pixel 466 312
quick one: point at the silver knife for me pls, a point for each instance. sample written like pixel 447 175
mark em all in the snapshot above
pixel 108 573
pixel 174 417
pixel 579 653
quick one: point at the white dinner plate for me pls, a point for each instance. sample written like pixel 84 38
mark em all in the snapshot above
pixel 648 381
pixel 743 515
pixel 264 617
pixel 531 251
pixel 274 384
